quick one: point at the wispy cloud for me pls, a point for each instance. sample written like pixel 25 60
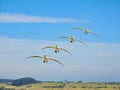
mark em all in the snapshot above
pixel 94 62
pixel 22 18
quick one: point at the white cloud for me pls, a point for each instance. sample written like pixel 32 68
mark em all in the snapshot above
pixel 94 62
pixel 22 18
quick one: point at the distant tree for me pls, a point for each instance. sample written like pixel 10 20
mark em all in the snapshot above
pixel 66 81
pixel 23 81
pixel 79 81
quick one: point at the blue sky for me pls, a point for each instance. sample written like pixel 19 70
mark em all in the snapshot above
pixel 29 25
pixel 100 16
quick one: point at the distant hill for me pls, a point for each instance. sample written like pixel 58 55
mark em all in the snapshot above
pixel 23 81
pixel 6 80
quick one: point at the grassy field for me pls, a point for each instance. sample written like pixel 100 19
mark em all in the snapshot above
pixel 62 86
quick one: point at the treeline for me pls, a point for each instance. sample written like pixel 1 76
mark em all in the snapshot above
pixel 28 80
pixel 23 81
pixel 6 80
pixel 110 83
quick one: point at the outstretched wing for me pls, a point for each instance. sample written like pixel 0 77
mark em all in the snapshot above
pixel 94 34
pixel 80 41
pixel 55 61
pixel 34 57
pixel 65 37
pixel 65 50
pixel 48 47
pixel 78 28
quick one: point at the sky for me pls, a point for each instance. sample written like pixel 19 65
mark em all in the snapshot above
pixel 27 26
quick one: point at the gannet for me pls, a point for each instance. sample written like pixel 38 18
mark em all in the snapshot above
pixel 86 31
pixel 57 49
pixel 45 59
pixel 73 39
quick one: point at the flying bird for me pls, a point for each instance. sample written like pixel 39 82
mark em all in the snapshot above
pixel 45 59
pixel 86 31
pixel 57 49
pixel 73 39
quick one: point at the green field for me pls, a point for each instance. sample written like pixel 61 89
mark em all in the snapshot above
pixel 62 86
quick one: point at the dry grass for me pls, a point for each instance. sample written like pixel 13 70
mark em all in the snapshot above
pixel 64 86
